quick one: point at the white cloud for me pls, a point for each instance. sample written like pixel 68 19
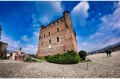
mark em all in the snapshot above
pixel 81 8
pixel 91 45
pixel 107 34
pixel 36 25
pixel 112 20
pixel 12 44
pixel 110 23
pixel 15 45
pixel 25 38
pixel 30 46
pixel 31 49
pixel 36 34
pixel 57 6
pixel 80 13
pixel 44 19
pixel 45 15
pixel 85 44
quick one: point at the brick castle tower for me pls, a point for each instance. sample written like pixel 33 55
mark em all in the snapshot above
pixel 57 37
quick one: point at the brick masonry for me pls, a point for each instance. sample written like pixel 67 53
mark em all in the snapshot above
pixel 60 29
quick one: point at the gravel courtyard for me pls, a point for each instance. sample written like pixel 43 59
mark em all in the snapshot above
pixel 101 66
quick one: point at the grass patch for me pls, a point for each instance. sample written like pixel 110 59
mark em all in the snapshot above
pixel 42 58
pixel 32 59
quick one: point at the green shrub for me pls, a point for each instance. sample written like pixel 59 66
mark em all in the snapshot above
pixel 83 54
pixel 32 59
pixel 42 58
pixel 28 59
pixel 47 56
pixel 70 57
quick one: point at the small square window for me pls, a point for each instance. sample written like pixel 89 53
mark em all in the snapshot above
pixel 50 41
pixel 49 33
pixel 44 35
pixel 57 39
pixel 57 29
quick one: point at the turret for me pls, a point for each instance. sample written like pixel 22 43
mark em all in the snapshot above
pixel 41 29
pixel 67 20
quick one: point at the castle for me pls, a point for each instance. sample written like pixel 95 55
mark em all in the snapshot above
pixel 57 37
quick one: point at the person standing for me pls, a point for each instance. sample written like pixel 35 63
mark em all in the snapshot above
pixel 107 52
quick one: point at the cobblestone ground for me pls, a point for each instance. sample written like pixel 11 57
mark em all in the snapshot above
pixel 101 66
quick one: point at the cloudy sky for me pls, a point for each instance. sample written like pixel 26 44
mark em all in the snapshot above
pixel 97 24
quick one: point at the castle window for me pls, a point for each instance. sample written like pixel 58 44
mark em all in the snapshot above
pixel 44 35
pixel 57 21
pixel 50 41
pixel 42 43
pixel 49 33
pixel 57 39
pixel 57 29
pixel 54 23
pixel 61 20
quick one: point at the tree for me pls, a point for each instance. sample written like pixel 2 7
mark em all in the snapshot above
pixel 83 54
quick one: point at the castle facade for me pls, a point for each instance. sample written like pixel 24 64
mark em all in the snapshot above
pixel 57 37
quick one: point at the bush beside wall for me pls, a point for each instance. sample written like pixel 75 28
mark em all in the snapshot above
pixel 70 57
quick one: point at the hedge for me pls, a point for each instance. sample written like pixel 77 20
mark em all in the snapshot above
pixel 69 57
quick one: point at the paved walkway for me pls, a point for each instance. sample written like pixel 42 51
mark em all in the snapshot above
pixel 101 66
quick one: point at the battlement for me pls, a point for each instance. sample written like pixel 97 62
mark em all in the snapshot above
pixel 57 21
pixel 53 23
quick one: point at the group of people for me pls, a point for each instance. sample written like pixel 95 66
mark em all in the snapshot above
pixel 108 52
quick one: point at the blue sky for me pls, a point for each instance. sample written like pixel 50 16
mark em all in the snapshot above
pixel 97 24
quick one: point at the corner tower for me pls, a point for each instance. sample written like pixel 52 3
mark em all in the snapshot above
pixel 57 37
